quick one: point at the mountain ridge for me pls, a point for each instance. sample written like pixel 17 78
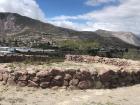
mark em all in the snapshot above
pixel 27 30
pixel 128 37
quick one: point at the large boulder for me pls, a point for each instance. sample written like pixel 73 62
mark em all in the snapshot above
pixel 84 75
pixel 98 85
pixel 32 84
pixel 42 74
pixel 57 80
pixel 5 77
pixel 12 80
pixel 110 79
pixel 44 85
pixel 67 77
pixel 1 77
pixel 85 84
pixel 55 72
pixel 22 83
pixel 70 71
pixel 35 79
pixel 74 82
pixel 65 83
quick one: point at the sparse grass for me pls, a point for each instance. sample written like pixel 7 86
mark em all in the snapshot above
pixel 60 65
pixel 78 44
pixel 94 103
pixel 15 100
pixel 12 66
pixel 45 94
pixel 132 54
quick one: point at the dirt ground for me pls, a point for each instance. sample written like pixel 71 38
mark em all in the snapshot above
pixel 12 95
pixel 31 96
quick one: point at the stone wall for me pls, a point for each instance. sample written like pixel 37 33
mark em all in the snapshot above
pixel 73 79
pixel 97 59
pixel 19 58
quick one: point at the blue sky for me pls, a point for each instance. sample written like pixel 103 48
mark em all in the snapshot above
pixel 64 7
pixel 54 8
pixel 82 15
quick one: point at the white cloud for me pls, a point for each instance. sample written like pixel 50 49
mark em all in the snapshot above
pixel 97 2
pixel 64 23
pixel 28 8
pixel 123 17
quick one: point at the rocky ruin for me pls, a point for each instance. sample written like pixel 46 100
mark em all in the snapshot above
pixel 74 78
pixel 20 57
pixel 97 59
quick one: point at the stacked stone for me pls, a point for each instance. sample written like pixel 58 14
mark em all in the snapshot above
pixel 74 79
pixel 96 59
pixel 48 78
pixel 18 58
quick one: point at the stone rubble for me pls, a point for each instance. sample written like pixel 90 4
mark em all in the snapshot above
pixel 97 59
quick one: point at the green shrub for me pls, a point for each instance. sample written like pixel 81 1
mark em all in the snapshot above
pixel 78 44
pixel 132 54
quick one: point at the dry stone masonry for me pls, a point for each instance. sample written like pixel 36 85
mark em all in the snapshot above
pixel 97 59
pixel 72 79
pixel 19 58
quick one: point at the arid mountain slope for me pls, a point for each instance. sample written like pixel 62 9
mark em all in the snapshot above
pixel 127 37
pixel 26 31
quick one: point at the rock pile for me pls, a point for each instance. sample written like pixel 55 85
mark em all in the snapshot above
pixel 97 59
pixel 74 79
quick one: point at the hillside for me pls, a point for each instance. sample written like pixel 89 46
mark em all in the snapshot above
pixel 127 37
pixel 17 30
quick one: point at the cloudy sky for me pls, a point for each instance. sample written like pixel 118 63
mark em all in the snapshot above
pixel 84 15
